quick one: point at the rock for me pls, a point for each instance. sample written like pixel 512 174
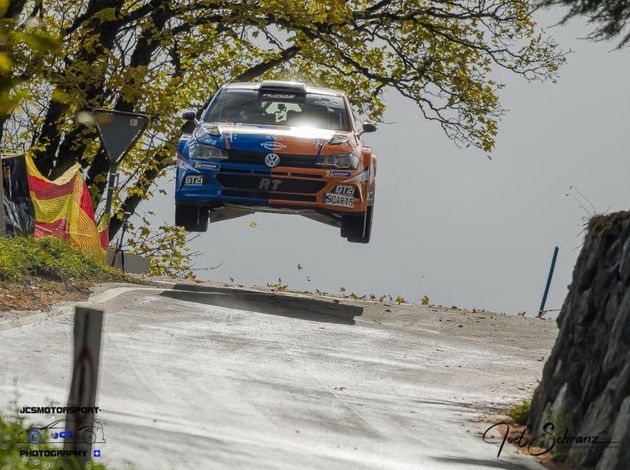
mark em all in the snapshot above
pixel 613 458
pixel 585 388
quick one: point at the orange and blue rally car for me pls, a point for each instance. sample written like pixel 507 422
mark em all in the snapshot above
pixel 279 147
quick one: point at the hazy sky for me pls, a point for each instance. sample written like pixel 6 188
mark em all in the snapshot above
pixel 450 223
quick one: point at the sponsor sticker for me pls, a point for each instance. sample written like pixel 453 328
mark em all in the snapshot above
pixel 331 102
pixel 273 145
pixel 338 200
pixel 193 180
pixel 363 176
pixel 207 166
pixel 277 96
pixel 342 173
pixel 182 163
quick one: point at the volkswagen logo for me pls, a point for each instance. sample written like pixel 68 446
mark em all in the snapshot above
pixel 271 160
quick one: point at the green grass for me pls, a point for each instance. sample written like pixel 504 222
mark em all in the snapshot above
pixel 10 447
pixel 520 414
pixel 24 258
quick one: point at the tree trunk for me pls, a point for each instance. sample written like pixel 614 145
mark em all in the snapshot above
pixel 61 151
pixel 141 56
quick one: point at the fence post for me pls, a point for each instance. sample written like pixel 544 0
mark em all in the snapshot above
pixel 88 324
pixel 2 224
pixel 549 277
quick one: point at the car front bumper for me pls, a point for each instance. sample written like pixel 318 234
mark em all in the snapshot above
pixel 339 191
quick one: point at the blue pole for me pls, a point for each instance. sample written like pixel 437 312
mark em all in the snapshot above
pixel 553 266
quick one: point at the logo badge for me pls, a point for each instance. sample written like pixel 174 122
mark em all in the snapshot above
pixel 273 145
pixel 271 160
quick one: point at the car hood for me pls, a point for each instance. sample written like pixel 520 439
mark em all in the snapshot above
pixel 276 139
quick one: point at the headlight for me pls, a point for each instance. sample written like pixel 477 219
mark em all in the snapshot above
pixel 344 160
pixel 199 151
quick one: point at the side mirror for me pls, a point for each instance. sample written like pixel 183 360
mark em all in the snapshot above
pixel 188 115
pixel 190 118
pixel 369 127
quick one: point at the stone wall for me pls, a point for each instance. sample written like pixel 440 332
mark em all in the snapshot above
pixel 585 389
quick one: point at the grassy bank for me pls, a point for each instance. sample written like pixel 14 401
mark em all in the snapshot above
pixel 23 259
pixel 34 273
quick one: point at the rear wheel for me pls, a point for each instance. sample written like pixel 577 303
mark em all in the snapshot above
pixel 357 229
pixel 192 218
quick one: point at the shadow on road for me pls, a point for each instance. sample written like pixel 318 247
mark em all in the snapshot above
pixel 268 303
pixel 486 463
pixel 484 408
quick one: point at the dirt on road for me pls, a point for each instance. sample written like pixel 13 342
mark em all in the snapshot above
pixel 202 376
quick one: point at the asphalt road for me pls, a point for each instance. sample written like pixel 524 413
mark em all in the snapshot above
pixel 204 377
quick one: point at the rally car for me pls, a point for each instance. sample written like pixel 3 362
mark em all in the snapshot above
pixel 276 147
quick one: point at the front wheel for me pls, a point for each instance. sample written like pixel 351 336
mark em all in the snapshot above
pixel 192 218
pixel 357 229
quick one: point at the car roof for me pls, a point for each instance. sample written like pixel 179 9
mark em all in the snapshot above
pixel 282 84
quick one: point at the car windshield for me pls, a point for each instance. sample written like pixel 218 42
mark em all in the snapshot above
pixel 247 107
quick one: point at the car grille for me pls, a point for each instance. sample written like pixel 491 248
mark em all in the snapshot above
pixel 269 195
pixel 301 161
pixel 281 185
pixel 258 186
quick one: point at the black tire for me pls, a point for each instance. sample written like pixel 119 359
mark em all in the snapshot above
pixel 357 229
pixel 192 218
